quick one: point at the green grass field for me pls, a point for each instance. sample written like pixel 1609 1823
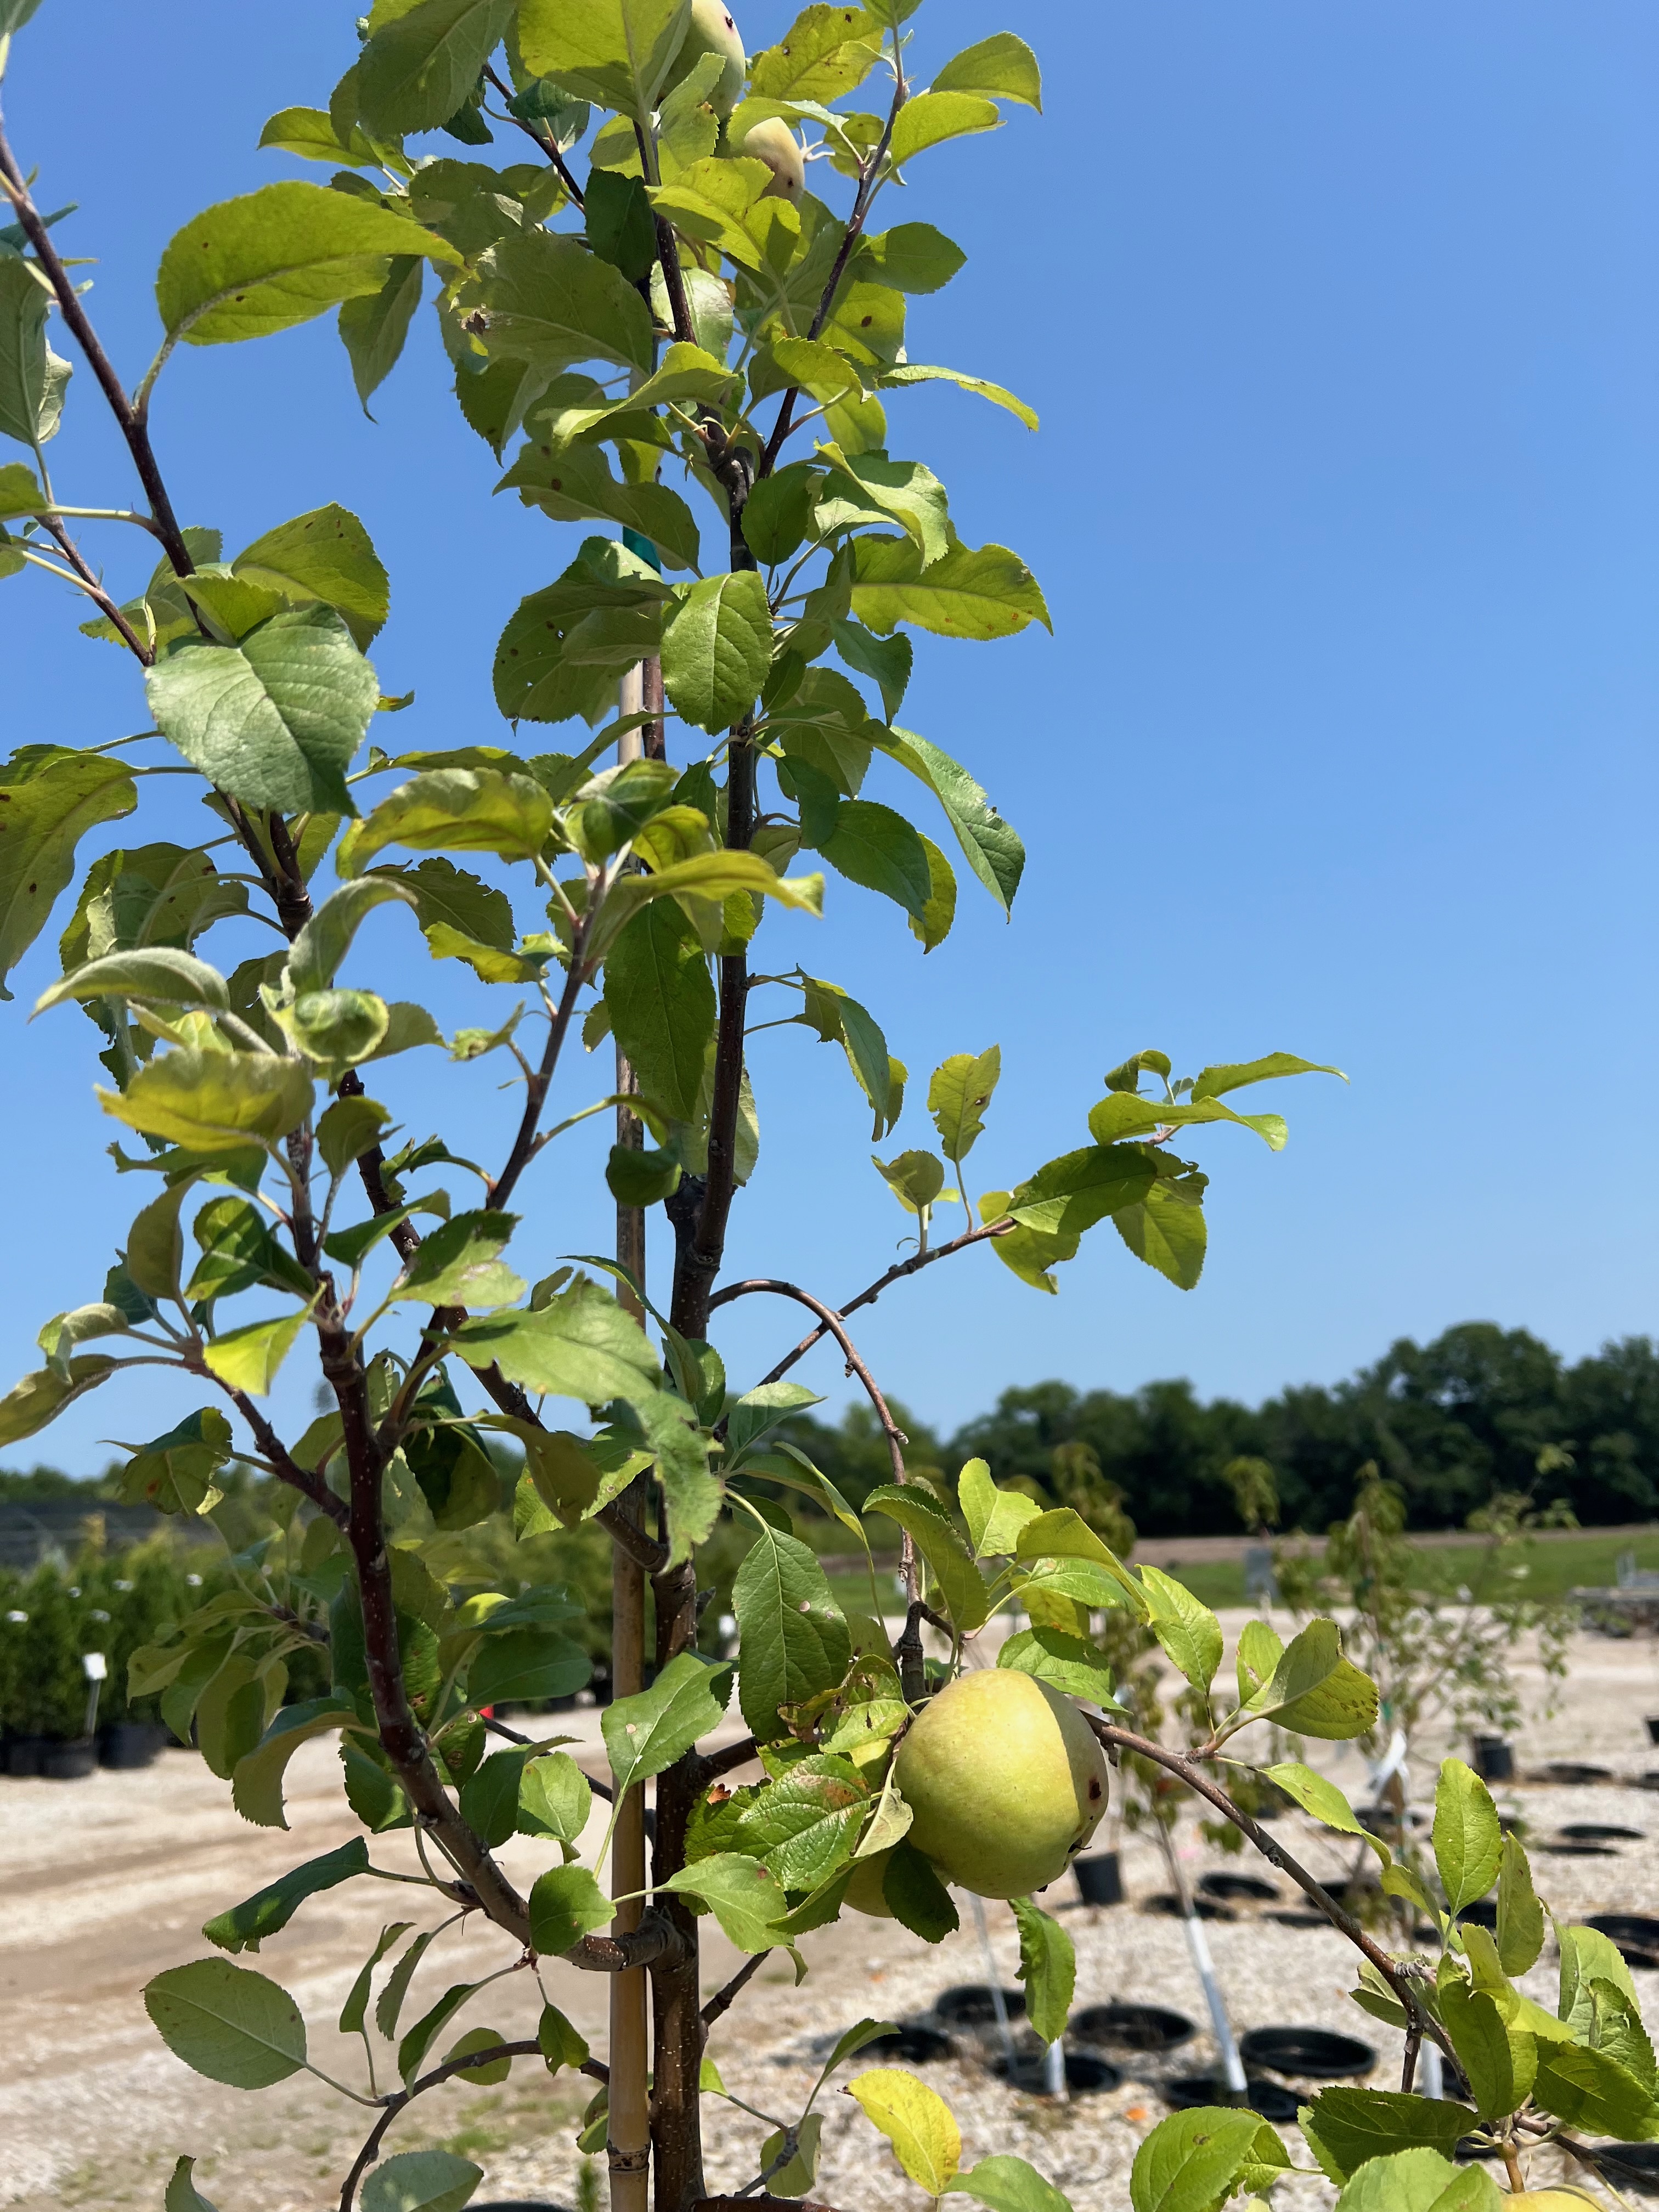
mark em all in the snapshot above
pixel 1553 1568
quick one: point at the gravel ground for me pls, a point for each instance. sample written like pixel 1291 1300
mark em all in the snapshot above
pixel 108 1880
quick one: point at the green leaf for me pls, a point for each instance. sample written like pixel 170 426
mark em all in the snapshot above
pixel 326 556
pixel 1468 1843
pixel 1069 1195
pixel 456 810
pixel 420 63
pixel 803 1827
pixel 827 52
pixel 615 53
pixel 248 1358
pixel 580 1345
pixel 916 2120
pixel 865 488
pixel 551 304
pixel 555 1798
pixel 1008 2184
pixel 459 1264
pixel 1215 1080
pixel 561 2045
pixel 308 133
pixel 228 2022
pixel 49 799
pixel 1064 1535
pixel 31 378
pixel 647 1733
pixel 747 1901
pixel 278 257
pixel 174 1473
pixel 1189 1632
pixel 961 1586
pixel 1070 1664
pixel 916 1179
pixel 1190 2161
pixel 957 1095
pixel 717 648
pixel 323 943
pixel 20 492
pixel 1166 1229
pixel 1314 1691
pixel 872 846
pixel 522 1666
pixel 421 2181
pixel 565 1903
pixel 571 484
pixel 151 975
pixel 912 257
pixel 1590 2090
pixel 245 1926
pixel 1499 2064
pixel 995 1517
pixel 274 720
pixel 1002 66
pixel 375 329
pixel 909 373
pixel 214 1102
pixel 1345 2127
pixel 973 593
pixel 182 2194
pixel 426 2030
pixel 489 1796
pixel 931 118
pixel 1588 1957
pixel 662 1006
pixel 1315 1795
pixel 1048 1968
pixel 1520 1916
pixel 1406 2181
pixel 705 876
pixel 793 1638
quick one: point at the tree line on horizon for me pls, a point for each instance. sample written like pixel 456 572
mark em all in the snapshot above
pixel 1479 1411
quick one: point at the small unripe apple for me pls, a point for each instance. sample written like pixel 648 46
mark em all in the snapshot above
pixel 712 30
pixel 864 1892
pixel 773 141
pixel 1006 1781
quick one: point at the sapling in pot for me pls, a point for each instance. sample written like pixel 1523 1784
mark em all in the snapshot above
pixel 656 330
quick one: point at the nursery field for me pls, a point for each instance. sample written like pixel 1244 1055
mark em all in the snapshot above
pixel 1556 1562
pixel 110 1877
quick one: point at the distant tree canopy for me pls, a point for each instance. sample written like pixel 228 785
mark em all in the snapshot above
pixel 1451 1422
pixel 1480 1410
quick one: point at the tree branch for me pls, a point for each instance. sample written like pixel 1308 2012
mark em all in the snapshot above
pixel 716 1763
pixel 526 1144
pixel 309 1483
pixel 895 1273
pixel 1274 1852
pixel 863 201
pixel 131 422
pixel 723 2000
pixel 830 1324
pixel 544 140
pixel 95 592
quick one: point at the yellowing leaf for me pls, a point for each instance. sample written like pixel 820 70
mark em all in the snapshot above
pixel 916 2120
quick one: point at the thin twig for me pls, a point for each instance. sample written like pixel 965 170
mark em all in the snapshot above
pixel 132 423
pixel 95 590
pixel 895 1273
pixel 545 139
pixel 830 1323
pixel 1274 1852
pixel 526 1145
pixel 723 2000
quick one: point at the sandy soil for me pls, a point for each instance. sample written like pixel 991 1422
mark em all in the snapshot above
pixel 107 1882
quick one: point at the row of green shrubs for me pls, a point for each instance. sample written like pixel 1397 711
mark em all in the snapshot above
pixel 108 1601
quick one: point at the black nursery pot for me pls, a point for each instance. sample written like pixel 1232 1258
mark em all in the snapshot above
pixel 1574 1775
pixel 126 1744
pixel 1099 1878
pixel 1635 1936
pixel 70 1762
pixel 916 2046
pixel 967 2004
pixel 1086 2074
pixel 1631 2166
pixel 1312 2054
pixel 1267 2098
pixel 1131 2027
pixel 1653 1728
pixel 23 1756
pixel 1238 1888
pixel 1494 1760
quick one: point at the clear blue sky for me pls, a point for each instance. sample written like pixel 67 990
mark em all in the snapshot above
pixel 1342 325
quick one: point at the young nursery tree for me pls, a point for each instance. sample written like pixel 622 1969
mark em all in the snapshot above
pixel 661 331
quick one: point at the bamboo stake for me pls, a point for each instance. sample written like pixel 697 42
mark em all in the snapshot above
pixel 628 2136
